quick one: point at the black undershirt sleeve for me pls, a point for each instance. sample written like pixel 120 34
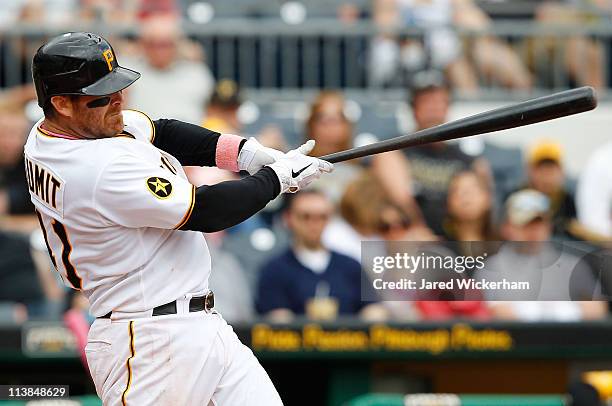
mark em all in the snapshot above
pixel 191 144
pixel 226 204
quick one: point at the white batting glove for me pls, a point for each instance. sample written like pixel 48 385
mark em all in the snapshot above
pixel 295 170
pixel 253 156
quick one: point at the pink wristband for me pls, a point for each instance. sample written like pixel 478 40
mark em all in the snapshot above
pixel 226 155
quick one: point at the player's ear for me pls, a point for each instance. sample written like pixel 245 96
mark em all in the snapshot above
pixel 63 105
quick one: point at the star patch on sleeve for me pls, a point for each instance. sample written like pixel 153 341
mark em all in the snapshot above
pixel 159 187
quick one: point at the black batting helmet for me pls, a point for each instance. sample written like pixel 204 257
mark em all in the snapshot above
pixel 78 63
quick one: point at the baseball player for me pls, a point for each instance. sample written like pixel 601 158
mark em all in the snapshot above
pixel 123 225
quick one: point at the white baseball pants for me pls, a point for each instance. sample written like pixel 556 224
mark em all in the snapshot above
pixel 179 360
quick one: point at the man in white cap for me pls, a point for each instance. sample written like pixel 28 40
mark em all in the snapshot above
pixel 554 275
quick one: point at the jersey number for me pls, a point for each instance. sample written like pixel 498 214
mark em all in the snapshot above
pixel 60 231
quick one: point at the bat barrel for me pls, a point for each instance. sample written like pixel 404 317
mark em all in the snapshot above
pixel 528 112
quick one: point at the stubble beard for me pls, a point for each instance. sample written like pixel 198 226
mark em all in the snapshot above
pixel 100 130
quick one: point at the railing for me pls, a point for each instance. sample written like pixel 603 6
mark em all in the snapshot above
pixel 268 54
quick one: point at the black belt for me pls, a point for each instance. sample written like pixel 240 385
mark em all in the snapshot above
pixel 196 304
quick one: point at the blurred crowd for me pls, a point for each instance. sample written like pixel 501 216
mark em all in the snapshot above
pixel 301 256
pixel 457 37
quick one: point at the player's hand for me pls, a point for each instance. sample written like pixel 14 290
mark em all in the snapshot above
pixel 253 156
pixel 296 170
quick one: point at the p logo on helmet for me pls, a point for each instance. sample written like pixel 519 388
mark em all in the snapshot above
pixel 108 57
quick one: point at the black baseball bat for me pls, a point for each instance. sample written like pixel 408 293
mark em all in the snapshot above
pixel 528 112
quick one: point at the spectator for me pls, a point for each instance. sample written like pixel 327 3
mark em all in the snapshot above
pixel 469 209
pixel 594 196
pixel 14 194
pixel 329 126
pixel 43 12
pixel 359 220
pixel 583 58
pixel 18 276
pixel 64 12
pixel 545 174
pixel 308 271
pixel 397 228
pixel 441 47
pixel 534 259
pixel 149 8
pixel 108 12
pixel 15 99
pixel 364 208
pixel 469 224
pixel 395 224
pixel 168 74
pixel 222 110
pixel 432 166
pixel 348 13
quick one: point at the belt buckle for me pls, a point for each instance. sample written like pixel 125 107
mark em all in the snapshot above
pixel 209 301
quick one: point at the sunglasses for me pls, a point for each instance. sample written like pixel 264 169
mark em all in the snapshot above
pixel 328 118
pixel 385 227
pixel 313 216
pixel 101 102
pixel 160 43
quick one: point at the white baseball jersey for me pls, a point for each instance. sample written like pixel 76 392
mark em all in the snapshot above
pixel 109 209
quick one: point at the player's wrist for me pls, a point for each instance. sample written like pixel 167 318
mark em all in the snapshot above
pixel 253 156
pixel 227 152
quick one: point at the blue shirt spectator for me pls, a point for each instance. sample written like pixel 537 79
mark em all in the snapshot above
pixel 286 283
pixel 308 278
